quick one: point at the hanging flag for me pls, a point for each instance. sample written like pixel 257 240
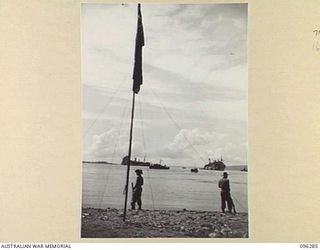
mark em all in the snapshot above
pixel 137 70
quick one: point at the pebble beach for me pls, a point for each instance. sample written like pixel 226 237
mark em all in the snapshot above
pixel 108 223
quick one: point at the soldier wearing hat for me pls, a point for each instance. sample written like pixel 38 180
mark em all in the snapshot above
pixel 137 190
pixel 224 185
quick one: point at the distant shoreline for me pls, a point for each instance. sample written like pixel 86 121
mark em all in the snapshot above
pixel 99 162
pixel 231 167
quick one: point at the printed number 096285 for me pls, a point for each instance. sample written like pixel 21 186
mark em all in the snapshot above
pixel 314 246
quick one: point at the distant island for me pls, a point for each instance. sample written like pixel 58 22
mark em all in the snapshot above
pixel 97 162
pixel 238 167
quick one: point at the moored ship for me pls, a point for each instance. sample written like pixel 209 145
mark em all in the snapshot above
pixel 215 165
pixel 158 166
pixel 135 162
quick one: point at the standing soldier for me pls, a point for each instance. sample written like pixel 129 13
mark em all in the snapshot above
pixel 225 193
pixel 137 190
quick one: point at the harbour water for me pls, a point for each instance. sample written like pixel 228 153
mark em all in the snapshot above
pixel 174 189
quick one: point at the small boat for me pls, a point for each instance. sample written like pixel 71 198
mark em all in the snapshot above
pixel 194 170
pixel 244 170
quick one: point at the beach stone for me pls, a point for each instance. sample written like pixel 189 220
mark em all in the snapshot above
pixel 206 225
pixel 105 217
pixel 234 219
pixel 226 231
pixel 217 234
pixel 213 235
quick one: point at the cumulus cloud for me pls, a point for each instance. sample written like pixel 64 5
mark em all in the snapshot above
pixel 190 143
pixel 112 146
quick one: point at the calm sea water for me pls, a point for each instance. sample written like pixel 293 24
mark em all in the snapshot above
pixel 176 188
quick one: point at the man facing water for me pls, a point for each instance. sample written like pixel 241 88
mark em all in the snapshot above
pixel 225 193
pixel 137 190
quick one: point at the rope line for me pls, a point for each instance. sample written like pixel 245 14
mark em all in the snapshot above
pixel 113 154
pixel 124 112
pixel 238 203
pixel 104 107
pixel 142 128
pixel 152 197
pixel 177 125
pixel 145 150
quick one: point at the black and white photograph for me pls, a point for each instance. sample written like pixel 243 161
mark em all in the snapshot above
pixel 164 120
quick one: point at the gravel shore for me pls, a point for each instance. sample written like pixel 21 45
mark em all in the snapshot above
pixel 108 223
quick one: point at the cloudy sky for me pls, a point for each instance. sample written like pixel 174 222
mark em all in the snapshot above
pixel 193 102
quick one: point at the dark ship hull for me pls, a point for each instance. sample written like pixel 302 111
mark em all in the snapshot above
pixel 216 165
pixel 134 162
pixel 143 164
pixel 158 166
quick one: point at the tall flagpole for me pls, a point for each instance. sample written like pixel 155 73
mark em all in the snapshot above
pixel 137 81
pixel 129 156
